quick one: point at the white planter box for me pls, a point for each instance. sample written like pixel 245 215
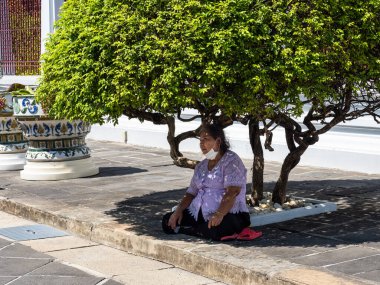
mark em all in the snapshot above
pixel 317 207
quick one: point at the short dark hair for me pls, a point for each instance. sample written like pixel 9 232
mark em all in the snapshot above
pixel 216 131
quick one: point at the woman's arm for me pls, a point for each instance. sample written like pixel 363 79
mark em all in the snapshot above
pixel 176 217
pixel 186 201
pixel 225 206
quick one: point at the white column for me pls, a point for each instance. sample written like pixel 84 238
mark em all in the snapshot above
pixel 49 14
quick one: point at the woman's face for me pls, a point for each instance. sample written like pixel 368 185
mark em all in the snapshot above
pixel 207 142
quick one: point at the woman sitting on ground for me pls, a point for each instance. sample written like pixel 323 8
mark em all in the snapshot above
pixel 214 205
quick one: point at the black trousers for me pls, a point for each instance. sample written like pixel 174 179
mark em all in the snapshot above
pixel 231 224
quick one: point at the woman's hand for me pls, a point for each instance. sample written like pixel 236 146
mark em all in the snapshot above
pixel 215 220
pixel 225 206
pixel 175 219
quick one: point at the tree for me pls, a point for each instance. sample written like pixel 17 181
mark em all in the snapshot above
pixel 151 59
pixel 257 62
pixel 330 52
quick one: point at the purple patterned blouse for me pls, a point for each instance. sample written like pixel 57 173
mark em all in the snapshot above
pixel 208 187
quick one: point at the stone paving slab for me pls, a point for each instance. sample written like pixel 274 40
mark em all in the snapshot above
pixel 74 260
pixel 373 275
pixel 20 266
pixel 123 205
pixel 57 280
pixel 338 256
pixel 4 243
pixel 16 250
pixel 55 268
pixel 5 280
pixel 356 266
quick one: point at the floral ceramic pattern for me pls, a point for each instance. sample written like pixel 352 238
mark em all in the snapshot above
pixel 16 147
pixel 29 106
pixel 50 140
pixel 58 155
pixel 9 125
pixel 11 137
pixel 55 128
pixel 24 106
pixel 3 103
pixel 6 104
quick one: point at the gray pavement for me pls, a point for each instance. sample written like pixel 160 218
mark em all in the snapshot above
pixel 122 207
pixel 21 264
pixel 50 257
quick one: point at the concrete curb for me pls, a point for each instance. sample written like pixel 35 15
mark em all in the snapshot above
pixel 230 265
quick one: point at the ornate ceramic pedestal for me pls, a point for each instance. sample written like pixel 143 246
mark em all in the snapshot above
pixel 12 143
pixel 57 148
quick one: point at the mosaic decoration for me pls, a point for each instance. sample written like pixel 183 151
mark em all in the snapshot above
pixel 6 104
pixel 16 147
pixel 60 149
pixel 26 106
pixel 9 124
pixel 58 154
pixel 50 140
pixel 64 143
pixel 11 136
pixel 57 144
pixel 55 128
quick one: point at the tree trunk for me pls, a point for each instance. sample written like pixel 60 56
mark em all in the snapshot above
pixel 258 162
pixel 279 191
pixel 293 135
pixel 174 145
pixel 174 142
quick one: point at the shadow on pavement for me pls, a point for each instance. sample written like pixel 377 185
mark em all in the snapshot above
pixel 356 221
pixel 118 171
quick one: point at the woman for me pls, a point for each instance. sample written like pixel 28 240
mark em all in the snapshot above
pixel 214 205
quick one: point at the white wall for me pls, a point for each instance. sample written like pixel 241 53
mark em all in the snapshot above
pixel 354 146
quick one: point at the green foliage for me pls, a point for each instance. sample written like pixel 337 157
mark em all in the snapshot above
pixel 327 46
pixel 237 56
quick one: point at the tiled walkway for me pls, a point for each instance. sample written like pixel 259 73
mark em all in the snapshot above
pixel 124 203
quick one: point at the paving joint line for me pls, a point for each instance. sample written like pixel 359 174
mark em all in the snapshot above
pixel 71 248
pixel 355 259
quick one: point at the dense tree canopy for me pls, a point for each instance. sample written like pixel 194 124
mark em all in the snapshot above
pixel 262 62
pixel 166 55
pixel 153 55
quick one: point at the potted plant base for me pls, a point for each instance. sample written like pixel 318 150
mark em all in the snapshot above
pixel 58 170
pixel 12 142
pixel 57 148
pixel 12 145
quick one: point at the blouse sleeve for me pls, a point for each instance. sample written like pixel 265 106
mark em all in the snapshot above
pixel 235 173
pixel 193 189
